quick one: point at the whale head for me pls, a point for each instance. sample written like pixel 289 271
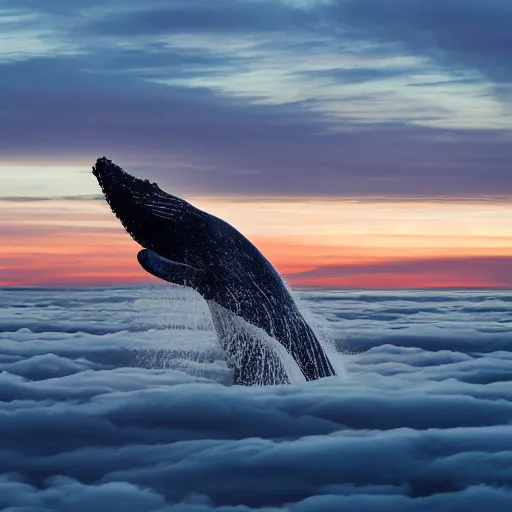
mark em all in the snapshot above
pixel 172 229
pixel 148 214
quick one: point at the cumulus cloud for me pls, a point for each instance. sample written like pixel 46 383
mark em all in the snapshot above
pixel 142 415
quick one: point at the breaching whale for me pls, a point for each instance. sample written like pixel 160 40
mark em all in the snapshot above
pixel 256 319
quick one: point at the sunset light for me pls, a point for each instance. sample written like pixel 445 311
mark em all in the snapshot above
pixel 312 242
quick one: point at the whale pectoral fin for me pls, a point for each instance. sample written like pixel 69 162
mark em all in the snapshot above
pixel 170 271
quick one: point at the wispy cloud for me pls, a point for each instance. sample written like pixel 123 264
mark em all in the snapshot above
pixel 287 98
pixel 471 272
pixel 37 199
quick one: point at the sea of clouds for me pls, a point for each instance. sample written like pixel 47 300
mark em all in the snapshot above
pixel 120 400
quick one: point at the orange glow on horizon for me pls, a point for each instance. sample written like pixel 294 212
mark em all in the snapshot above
pixel 328 243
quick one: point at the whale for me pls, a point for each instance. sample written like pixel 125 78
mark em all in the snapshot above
pixel 264 336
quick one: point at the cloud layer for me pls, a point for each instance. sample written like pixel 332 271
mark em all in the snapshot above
pixel 122 398
pixel 288 98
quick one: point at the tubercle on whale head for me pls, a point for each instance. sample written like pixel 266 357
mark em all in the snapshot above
pixel 111 177
pixel 124 194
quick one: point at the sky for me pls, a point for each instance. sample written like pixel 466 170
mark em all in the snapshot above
pixel 357 143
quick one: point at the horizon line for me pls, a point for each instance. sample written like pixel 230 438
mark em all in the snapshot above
pixel 296 288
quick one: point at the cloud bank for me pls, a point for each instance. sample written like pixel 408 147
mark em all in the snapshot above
pixel 121 398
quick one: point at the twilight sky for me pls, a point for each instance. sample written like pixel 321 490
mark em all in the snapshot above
pixel 362 143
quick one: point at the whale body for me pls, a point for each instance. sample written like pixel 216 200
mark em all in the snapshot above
pixel 264 336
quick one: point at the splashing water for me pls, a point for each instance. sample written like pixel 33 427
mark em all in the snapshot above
pixel 180 327
pixel 243 340
pixel 176 332
pixel 323 333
